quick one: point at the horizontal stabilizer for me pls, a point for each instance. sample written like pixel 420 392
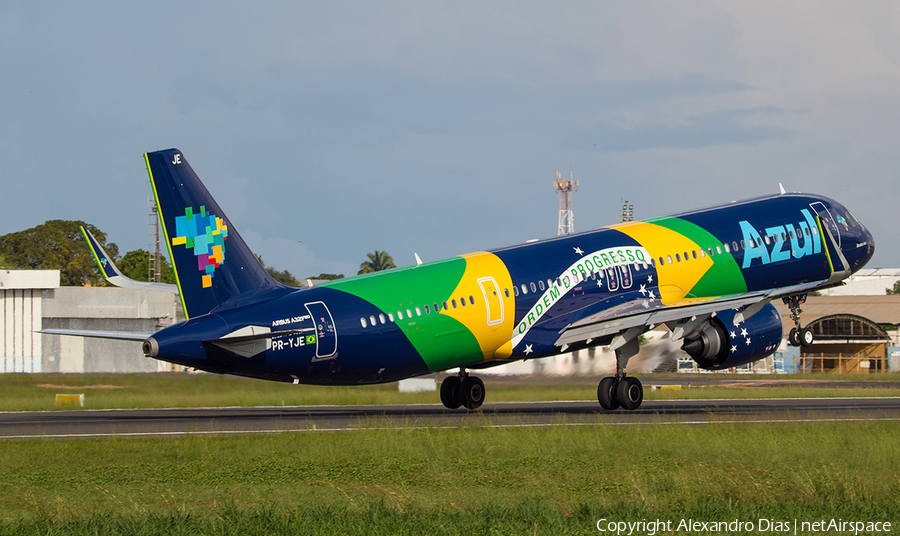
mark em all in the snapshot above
pixel 98 334
pixel 112 273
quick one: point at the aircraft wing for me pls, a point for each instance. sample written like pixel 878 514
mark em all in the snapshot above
pixel 112 274
pixel 98 334
pixel 638 314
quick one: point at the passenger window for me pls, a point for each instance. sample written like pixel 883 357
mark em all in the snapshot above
pixel 391 317
pixel 766 238
pixel 506 291
pixel 677 258
pixel 462 301
pixel 549 283
pixel 662 262
pixel 734 247
pixel 791 234
pixel 669 258
pixel 541 284
pixel 445 306
pixel 381 317
pixel 409 313
pixel 427 310
pixel 702 253
pixel 719 249
pixel 806 230
pixel 372 320
pixel 743 245
pixel 472 300
pixel 524 289
pixel 694 252
pixel 533 288
pixel 400 315
pixel 515 291
pixel 783 237
pixel 418 311
pixel 363 322
pixel 453 303
pixel 652 262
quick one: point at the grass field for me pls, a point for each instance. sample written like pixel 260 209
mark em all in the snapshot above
pixel 473 480
pixel 36 392
pixel 467 480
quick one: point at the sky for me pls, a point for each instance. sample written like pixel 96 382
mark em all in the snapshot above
pixel 328 130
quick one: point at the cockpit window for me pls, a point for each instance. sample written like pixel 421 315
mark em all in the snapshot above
pixel 851 219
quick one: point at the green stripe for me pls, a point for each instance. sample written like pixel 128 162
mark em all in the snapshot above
pixel 440 340
pixel 724 276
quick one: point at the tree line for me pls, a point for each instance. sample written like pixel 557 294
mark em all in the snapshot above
pixel 59 245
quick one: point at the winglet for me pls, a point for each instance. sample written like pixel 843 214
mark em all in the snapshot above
pixel 780 187
pixel 112 273
pixel 418 260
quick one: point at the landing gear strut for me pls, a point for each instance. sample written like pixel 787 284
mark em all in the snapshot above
pixel 462 390
pixel 620 390
pixel 798 336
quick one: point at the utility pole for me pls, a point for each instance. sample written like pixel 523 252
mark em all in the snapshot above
pixel 155 258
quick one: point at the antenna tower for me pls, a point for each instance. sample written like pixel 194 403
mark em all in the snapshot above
pixel 565 187
pixel 155 258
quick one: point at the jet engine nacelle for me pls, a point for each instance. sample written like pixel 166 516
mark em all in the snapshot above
pixel 721 345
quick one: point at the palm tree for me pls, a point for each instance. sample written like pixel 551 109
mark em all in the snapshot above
pixel 378 261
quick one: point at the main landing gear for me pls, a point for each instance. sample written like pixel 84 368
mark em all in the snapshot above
pixel 462 390
pixel 620 390
pixel 798 336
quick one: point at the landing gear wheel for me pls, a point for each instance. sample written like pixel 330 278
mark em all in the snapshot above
pixel 450 392
pixel 606 394
pixel 630 393
pixel 806 337
pixel 472 392
pixel 794 337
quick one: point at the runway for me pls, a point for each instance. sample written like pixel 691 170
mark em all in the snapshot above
pixel 210 421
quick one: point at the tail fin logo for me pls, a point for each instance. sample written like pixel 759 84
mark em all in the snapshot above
pixel 205 234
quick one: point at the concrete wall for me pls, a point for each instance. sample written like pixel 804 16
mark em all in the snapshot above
pixel 102 308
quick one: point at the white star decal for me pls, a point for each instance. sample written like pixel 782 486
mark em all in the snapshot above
pixel 650 278
pixel 579 251
pixel 652 296
pixel 733 349
pixel 528 349
pixel 744 332
pixel 748 341
pixel 643 290
pixel 733 334
pixel 600 283
pixel 646 304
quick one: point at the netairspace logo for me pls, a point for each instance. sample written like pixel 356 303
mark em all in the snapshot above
pixel 691 526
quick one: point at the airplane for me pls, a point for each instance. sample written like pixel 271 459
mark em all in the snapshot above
pixel 708 275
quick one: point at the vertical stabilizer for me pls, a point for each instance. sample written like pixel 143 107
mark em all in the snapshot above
pixel 212 262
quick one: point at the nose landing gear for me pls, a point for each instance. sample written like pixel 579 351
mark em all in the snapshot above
pixel 462 390
pixel 798 336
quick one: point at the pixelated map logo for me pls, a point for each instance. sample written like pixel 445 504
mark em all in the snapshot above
pixel 205 234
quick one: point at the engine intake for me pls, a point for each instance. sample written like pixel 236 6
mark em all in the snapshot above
pixel 721 345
